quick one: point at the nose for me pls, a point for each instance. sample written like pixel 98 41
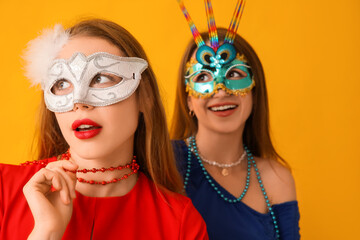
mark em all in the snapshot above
pixel 221 93
pixel 82 106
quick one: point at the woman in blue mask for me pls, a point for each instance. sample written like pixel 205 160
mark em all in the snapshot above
pixel 231 170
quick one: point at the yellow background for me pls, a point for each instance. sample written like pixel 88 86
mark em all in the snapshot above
pixel 311 54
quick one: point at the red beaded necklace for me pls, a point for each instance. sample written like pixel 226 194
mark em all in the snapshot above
pixel 134 166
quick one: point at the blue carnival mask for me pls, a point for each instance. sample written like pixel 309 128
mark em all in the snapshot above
pixel 212 71
pixel 217 66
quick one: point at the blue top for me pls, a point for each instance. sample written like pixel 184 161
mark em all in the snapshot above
pixel 226 220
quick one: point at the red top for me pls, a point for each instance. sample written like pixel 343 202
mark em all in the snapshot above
pixel 146 212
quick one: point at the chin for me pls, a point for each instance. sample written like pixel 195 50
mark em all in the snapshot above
pixel 227 131
pixel 228 128
pixel 87 151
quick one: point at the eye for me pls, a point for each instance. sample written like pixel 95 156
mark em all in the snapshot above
pixel 105 80
pixel 100 79
pixel 236 74
pixel 202 77
pixel 62 87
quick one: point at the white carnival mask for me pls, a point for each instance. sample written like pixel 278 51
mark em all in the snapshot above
pixel 76 75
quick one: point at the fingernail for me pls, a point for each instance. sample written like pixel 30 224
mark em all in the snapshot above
pixel 52 189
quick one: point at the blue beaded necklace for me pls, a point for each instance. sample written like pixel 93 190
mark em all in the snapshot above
pixel 250 161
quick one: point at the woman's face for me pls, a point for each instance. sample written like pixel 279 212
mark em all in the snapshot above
pixel 222 113
pixel 96 132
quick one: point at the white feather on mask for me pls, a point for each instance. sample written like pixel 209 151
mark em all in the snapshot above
pixel 41 51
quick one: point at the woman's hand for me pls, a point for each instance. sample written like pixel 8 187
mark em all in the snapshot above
pixel 51 209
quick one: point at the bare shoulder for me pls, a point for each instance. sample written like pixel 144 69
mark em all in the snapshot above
pixel 278 181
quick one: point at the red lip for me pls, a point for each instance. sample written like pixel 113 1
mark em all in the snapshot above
pixel 86 134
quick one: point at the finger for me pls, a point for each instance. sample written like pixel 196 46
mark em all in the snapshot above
pixel 65 164
pixel 66 169
pixel 70 180
pixel 64 191
pixel 37 187
pixel 43 180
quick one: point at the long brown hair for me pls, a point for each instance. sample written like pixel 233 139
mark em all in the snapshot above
pixel 152 143
pixel 256 133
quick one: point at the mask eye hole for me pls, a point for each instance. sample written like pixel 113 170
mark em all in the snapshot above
pixel 202 77
pixel 207 58
pixel 236 74
pixel 104 80
pixel 62 87
pixel 227 52
pixel 224 55
pixel 203 55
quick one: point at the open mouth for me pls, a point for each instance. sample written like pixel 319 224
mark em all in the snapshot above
pixel 222 108
pixel 85 128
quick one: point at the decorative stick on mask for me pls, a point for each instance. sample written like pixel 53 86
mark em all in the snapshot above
pixel 217 67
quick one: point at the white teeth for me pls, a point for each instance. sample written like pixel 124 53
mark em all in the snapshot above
pixel 83 126
pixel 222 108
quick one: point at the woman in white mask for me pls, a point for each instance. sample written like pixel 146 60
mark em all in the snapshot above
pixel 107 170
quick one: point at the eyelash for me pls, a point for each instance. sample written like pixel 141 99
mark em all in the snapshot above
pixel 240 73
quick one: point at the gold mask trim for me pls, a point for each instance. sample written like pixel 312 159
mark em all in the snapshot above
pixel 220 86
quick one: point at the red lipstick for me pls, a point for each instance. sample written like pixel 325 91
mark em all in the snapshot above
pixel 85 128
